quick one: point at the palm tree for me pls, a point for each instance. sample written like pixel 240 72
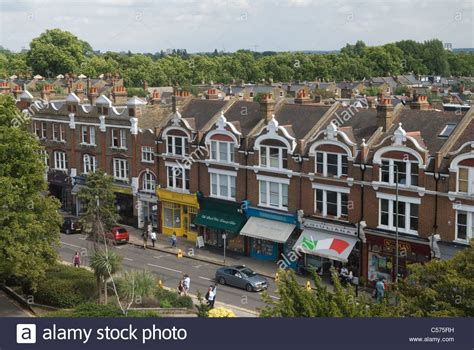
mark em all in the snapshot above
pixel 105 263
pixel 135 285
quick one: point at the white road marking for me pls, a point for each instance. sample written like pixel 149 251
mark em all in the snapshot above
pixel 205 278
pixel 274 297
pixel 165 268
pixel 82 238
pixel 128 259
pixel 118 247
pixel 158 256
pixel 72 245
pixel 197 266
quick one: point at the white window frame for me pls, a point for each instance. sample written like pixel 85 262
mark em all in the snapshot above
pixel 469 212
pixel 60 131
pixel 409 201
pixel 229 175
pixel 183 171
pixel 230 145
pixel 325 163
pixel 266 181
pixel 121 169
pixel 148 182
pixel 173 138
pixel 267 157
pixel 121 138
pixel 88 135
pixel 43 127
pixel 60 160
pixel 470 179
pixel 326 189
pixel 148 154
pixel 89 163
pixel 392 172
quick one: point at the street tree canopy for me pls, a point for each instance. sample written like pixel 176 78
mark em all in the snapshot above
pixel 29 219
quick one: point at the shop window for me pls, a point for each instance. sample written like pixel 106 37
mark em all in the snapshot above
pixel 171 215
pixel 331 164
pixel 407 172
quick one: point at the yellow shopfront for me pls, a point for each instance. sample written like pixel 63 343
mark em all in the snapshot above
pixel 178 211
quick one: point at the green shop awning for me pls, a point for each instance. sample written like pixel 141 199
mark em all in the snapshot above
pixel 220 220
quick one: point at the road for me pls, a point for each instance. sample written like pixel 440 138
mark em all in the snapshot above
pixel 169 269
pixel 9 308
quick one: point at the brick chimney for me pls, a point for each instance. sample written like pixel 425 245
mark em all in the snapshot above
pixel 420 103
pixel 155 98
pixel 178 98
pixel 302 97
pixel 46 91
pixel 385 113
pixel 212 94
pixel 4 87
pixel 267 106
pixel 92 95
pixel 17 91
pixel 79 91
pixel 119 95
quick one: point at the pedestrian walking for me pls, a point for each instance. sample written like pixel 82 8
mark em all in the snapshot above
pixel 173 240
pixel 153 238
pixel 211 296
pixel 186 284
pixel 145 238
pixel 76 260
pixel 379 289
pixel 181 287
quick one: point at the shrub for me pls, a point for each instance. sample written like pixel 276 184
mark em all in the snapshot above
pixel 100 310
pixel 221 312
pixel 169 298
pixel 65 286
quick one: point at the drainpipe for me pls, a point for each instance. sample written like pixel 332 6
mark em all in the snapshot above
pixel 361 243
pixel 435 225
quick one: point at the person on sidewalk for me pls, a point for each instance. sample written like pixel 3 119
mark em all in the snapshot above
pixel 211 296
pixel 173 240
pixel 145 238
pixel 186 284
pixel 379 290
pixel 181 287
pixel 153 238
pixel 76 260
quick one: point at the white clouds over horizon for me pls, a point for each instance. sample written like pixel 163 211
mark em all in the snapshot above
pixel 204 25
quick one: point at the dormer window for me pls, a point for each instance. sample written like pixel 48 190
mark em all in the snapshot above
pixel 222 151
pixel 465 183
pixel 273 157
pixel 176 145
pixel 407 172
pixel 331 164
pixel 72 108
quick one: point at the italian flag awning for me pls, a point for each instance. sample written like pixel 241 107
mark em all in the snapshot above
pixel 325 244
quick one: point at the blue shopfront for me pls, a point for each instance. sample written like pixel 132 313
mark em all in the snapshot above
pixel 271 234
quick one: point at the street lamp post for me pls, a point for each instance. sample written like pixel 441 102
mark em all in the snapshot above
pixel 224 237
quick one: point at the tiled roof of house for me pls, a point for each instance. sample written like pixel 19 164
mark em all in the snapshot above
pixel 202 111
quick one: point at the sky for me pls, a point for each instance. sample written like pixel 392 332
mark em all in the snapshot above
pixel 229 25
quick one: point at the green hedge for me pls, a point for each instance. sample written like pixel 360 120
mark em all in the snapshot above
pixel 99 310
pixel 65 287
pixel 168 299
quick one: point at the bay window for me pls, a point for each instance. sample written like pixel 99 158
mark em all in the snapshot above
pixel 222 151
pixel 331 164
pixel 121 169
pixel 407 172
pixel 273 157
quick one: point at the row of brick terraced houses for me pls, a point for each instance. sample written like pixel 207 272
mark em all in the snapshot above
pixel 275 176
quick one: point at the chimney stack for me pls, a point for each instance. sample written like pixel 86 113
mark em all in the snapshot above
pixel 177 98
pixel 420 103
pixel 302 97
pixel 155 98
pixel 212 94
pixel 385 113
pixel 267 106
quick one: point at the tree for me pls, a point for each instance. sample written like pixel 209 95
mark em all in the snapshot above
pixel 29 219
pixel 440 287
pixel 98 199
pixel 435 57
pixel 57 52
pixel 134 286
pixel 105 264
pixel 296 301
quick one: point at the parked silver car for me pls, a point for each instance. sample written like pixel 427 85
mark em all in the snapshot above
pixel 242 277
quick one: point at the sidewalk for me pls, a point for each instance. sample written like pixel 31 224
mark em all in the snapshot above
pixel 189 249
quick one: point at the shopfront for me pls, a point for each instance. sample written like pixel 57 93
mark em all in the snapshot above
pixel 218 219
pixel 177 213
pixel 124 203
pixel 147 209
pixel 381 256
pixel 271 233
pixel 60 186
pixel 324 245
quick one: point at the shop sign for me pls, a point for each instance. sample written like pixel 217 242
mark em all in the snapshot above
pixel 329 227
pixel 290 219
pixel 220 220
pixel 402 246
pixel 124 190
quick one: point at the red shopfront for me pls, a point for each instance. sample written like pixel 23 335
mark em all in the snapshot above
pixel 381 256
